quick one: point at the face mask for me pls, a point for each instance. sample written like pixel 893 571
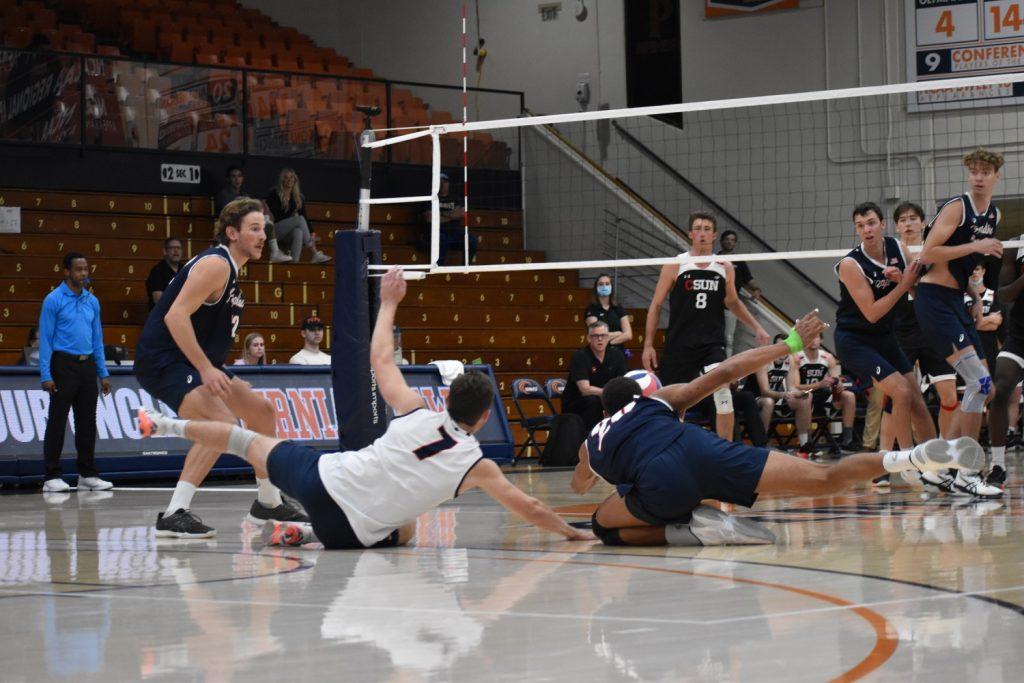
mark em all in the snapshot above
pixel 604 290
pixel 977 282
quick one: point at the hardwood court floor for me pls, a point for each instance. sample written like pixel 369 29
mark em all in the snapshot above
pixel 887 587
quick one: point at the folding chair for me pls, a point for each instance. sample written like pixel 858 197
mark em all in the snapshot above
pixel 526 389
pixel 554 388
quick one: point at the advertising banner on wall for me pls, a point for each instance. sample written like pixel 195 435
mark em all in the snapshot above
pixel 302 399
pixel 39 95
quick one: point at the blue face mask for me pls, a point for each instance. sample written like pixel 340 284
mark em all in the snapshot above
pixel 604 290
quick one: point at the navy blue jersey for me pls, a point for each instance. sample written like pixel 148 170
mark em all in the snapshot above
pixel 848 315
pixel 976 225
pixel 214 324
pixel 620 446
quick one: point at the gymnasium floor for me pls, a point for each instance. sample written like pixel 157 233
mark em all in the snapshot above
pixel 867 585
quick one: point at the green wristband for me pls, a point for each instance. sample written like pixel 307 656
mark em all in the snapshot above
pixel 794 342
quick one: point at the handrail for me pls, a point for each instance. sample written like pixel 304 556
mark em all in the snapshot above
pixel 682 180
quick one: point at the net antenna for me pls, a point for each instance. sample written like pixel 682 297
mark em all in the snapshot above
pixel 805 141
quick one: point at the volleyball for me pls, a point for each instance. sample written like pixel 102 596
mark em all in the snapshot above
pixel 648 381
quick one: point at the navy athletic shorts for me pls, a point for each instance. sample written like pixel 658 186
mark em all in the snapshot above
pixel 944 319
pixel 933 366
pixel 870 356
pixel 171 383
pixel 696 466
pixel 293 469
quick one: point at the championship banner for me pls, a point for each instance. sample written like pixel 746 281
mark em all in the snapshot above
pixel 39 96
pixel 949 38
pixel 302 399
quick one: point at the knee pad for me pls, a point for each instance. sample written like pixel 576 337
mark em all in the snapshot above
pixel 239 440
pixel 723 401
pixel 977 383
pixel 607 536
pixel 975 393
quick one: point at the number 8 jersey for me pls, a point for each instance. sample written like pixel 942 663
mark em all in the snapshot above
pixel 697 306
pixel 214 323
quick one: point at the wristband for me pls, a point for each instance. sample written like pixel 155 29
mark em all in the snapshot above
pixel 794 342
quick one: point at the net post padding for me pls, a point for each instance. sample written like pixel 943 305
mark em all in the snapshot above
pixel 360 409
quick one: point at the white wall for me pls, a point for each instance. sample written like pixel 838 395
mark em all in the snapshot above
pixel 420 41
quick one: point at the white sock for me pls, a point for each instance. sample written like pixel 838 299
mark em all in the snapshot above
pixel 897 461
pixel 168 426
pixel 181 499
pixel 999 456
pixel 268 494
pixel 802 438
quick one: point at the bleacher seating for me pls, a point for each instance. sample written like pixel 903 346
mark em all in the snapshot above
pixel 519 322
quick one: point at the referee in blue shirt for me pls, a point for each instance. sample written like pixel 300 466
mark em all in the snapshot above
pixel 70 358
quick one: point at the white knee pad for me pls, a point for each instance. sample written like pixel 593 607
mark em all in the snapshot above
pixel 239 440
pixel 977 383
pixel 723 401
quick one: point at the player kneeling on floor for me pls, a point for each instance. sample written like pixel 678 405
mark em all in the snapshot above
pixel 663 468
pixel 372 497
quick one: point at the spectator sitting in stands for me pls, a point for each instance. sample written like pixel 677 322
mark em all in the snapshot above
pixel 745 283
pixel 605 309
pixel 590 368
pixel 254 352
pixel 397 332
pixel 231 191
pixel 816 372
pixel 30 354
pixel 162 273
pixel 312 335
pixel 287 206
pixel 452 229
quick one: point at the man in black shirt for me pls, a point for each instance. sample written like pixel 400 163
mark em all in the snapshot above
pixel 590 369
pixel 163 272
pixel 744 282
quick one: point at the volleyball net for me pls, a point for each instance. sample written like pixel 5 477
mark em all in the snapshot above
pixel 613 189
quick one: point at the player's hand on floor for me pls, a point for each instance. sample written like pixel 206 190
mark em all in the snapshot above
pixel 216 381
pixel 581 535
pixel 392 286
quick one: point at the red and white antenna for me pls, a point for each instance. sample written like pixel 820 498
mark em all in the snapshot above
pixel 465 146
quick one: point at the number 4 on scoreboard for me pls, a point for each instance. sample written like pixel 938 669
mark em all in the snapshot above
pixel 945 23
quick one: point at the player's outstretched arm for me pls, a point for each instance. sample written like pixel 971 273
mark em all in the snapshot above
pixel 682 396
pixel 392 385
pixel 487 475
pixel 207 279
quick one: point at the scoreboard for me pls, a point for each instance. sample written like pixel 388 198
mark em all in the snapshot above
pixel 951 38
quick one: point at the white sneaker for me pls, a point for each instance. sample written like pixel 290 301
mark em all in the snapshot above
pixel 280 257
pixel 56 485
pixel 915 478
pixel 974 485
pixel 937 482
pixel 939 454
pixel 93 484
pixel 320 257
pixel 711 526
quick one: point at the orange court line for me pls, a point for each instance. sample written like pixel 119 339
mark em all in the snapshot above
pixel 886 641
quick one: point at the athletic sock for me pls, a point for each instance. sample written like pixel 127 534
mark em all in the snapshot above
pixel 897 461
pixel 999 456
pixel 169 426
pixel 802 438
pixel 268 495
pixel 181 499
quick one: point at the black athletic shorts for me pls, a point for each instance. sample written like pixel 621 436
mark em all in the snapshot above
pixel 171 383
pixel 687 364
pixel 293 469
pixel 933 366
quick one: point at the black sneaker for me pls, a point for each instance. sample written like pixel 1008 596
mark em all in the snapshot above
pixel 997 477
pixel 182 524
pixel 882 482
pixel 284 512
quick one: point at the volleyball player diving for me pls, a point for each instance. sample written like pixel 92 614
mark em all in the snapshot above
pixel 372 497
pixel 663 468
pixel 960 236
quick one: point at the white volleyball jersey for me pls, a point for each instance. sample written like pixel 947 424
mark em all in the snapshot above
pixel 812 371
pixel 417 464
